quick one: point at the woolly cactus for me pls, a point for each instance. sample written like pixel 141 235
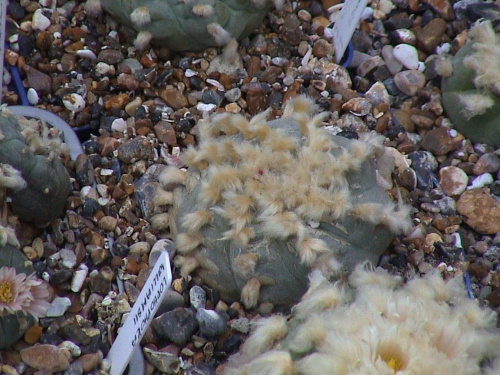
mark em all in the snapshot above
pixel 186 24
pixel 375 326
pixel 264 202
pixel 30 168
pixel 471 95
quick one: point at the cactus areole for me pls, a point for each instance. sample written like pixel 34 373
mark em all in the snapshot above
pixel 263 203
pixel 189 25
pixel 47 181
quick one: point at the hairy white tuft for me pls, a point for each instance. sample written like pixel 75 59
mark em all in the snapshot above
pixel 194 221
pixel 187 264
pixel 250 293
pixel 472 105
pixel 244 265
pixel 203 10
pixel 140 16
pixel 142 40
pixel 276 362
pixel 220 34
pixel 187 242
pixel 265 332
pixel 310 249
pixel 93 8
pixel 11 178
pixel 160 222
pixel 171 176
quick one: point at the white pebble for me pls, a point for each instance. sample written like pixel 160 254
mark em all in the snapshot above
pixel 32 96
pixel 102 68
pixel 26 26
pixel 58 307
pixel 74 102
pixel 480 181
pixel 68 258
pixel 406 55
pixel 443 49
pixel 72 347
pixel 78 279
pixel 215 83
pixel 87 54
pixel 190 73
pixel 205 107
pixel 421 66
pixel 119 125
pixel 88 192
pixel 40 22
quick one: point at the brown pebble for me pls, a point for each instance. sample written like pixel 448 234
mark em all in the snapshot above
pixel 108 223
pixel 117 101
pixel 89 361
pixel 438 141
pixel 33 334
pixel 322 48
pixel 45 357
pixel 481 210
pixel 174 98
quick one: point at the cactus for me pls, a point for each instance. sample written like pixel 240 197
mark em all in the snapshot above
pixel 184 25
pixel 471 95
pixel 264 202
pixel 30 168
pixel 375 325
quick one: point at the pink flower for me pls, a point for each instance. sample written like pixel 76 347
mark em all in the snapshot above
pixel 18 292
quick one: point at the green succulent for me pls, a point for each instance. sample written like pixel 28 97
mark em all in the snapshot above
pixel 37 182
pixel 374 324
pixel 471 94
pixel 192 25
pixel 263 203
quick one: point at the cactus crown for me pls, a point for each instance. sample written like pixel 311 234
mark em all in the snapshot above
pixel 258 191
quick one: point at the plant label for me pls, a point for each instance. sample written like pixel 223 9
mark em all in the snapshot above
pixel 345 24
pixel 141 315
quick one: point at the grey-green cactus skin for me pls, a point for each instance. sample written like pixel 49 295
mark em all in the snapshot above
pixel 48 183
pixel 483 128
pixel 13 326
pixel 283 276
pixel 174 25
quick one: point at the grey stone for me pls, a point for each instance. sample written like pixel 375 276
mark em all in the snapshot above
pixel 212 323
pixel 197 297
pixel 176 326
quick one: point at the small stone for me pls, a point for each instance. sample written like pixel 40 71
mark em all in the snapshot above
pixel 108 223
pixel 241 325
pixel 431 35
pixel 409 81
pixel 110 56
pixel 481 181
pixel 487 163
pixel 32 96
pixel 322 48
pixel 127 81
pixel 33 334
pixel 58 306
pixel 90 361
pixel 407 55
pixel 84 170
pixel 211 323
pixel 140 248
pixel 481 210
pixel 119 125
pixel 117 101
pixel 68 258
pixel 39 21
pixel 45 357
pixel 78 279
pixel 74 102
pixel 233 94
pixel 173 98
pixel 165 132
pixel 37 80
pixel 164 361
pixel 453 180
pixel 438 141
pixel 176 326
pixel 134 149
pixel 197 297
pixel 443 8
pixel 369 65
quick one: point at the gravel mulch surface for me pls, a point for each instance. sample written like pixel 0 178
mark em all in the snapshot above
pixel 141 108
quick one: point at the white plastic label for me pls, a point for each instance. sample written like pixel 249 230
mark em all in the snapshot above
pixel 345 24
pixel 141 315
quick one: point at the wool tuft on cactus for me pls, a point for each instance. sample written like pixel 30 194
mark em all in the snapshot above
pixel 36 180
pixel 375 325
pixel 264 202
pixel 186 25
pixel 471 94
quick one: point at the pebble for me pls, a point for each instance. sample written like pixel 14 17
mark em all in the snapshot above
pixel 90 361
pixel 140 248
pixel 39 21
pixel 176 326
pixel 68 258
pixel 32 96
pixel 108 223
pixel 481 210
pixel 197 297
pixel 409 81
pixel 241 325
pixel 481 181
pixel 110 56
pixel 58 306
pixel 74 102
pixel 438 141
pixel 453 180
pixel 78 279
pixel 407 55
pixel 45 357
pixel 173 98
pixel 134 149
pixel 211 323
pixel 164 361
pixel 37 80
pixel 487 163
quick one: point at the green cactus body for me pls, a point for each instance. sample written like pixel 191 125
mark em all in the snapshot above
pixel 189 25
pixel 13 326
pixel 472 105
pixel 265 202
pixel 47 181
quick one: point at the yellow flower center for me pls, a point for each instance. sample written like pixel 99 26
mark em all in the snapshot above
pixel 394 364
pixel 6 294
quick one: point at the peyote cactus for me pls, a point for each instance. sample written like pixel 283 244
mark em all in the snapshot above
pixel 264 202
pixel 186 25
pixel 471 95
pixel 375 326
pixel 30 168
